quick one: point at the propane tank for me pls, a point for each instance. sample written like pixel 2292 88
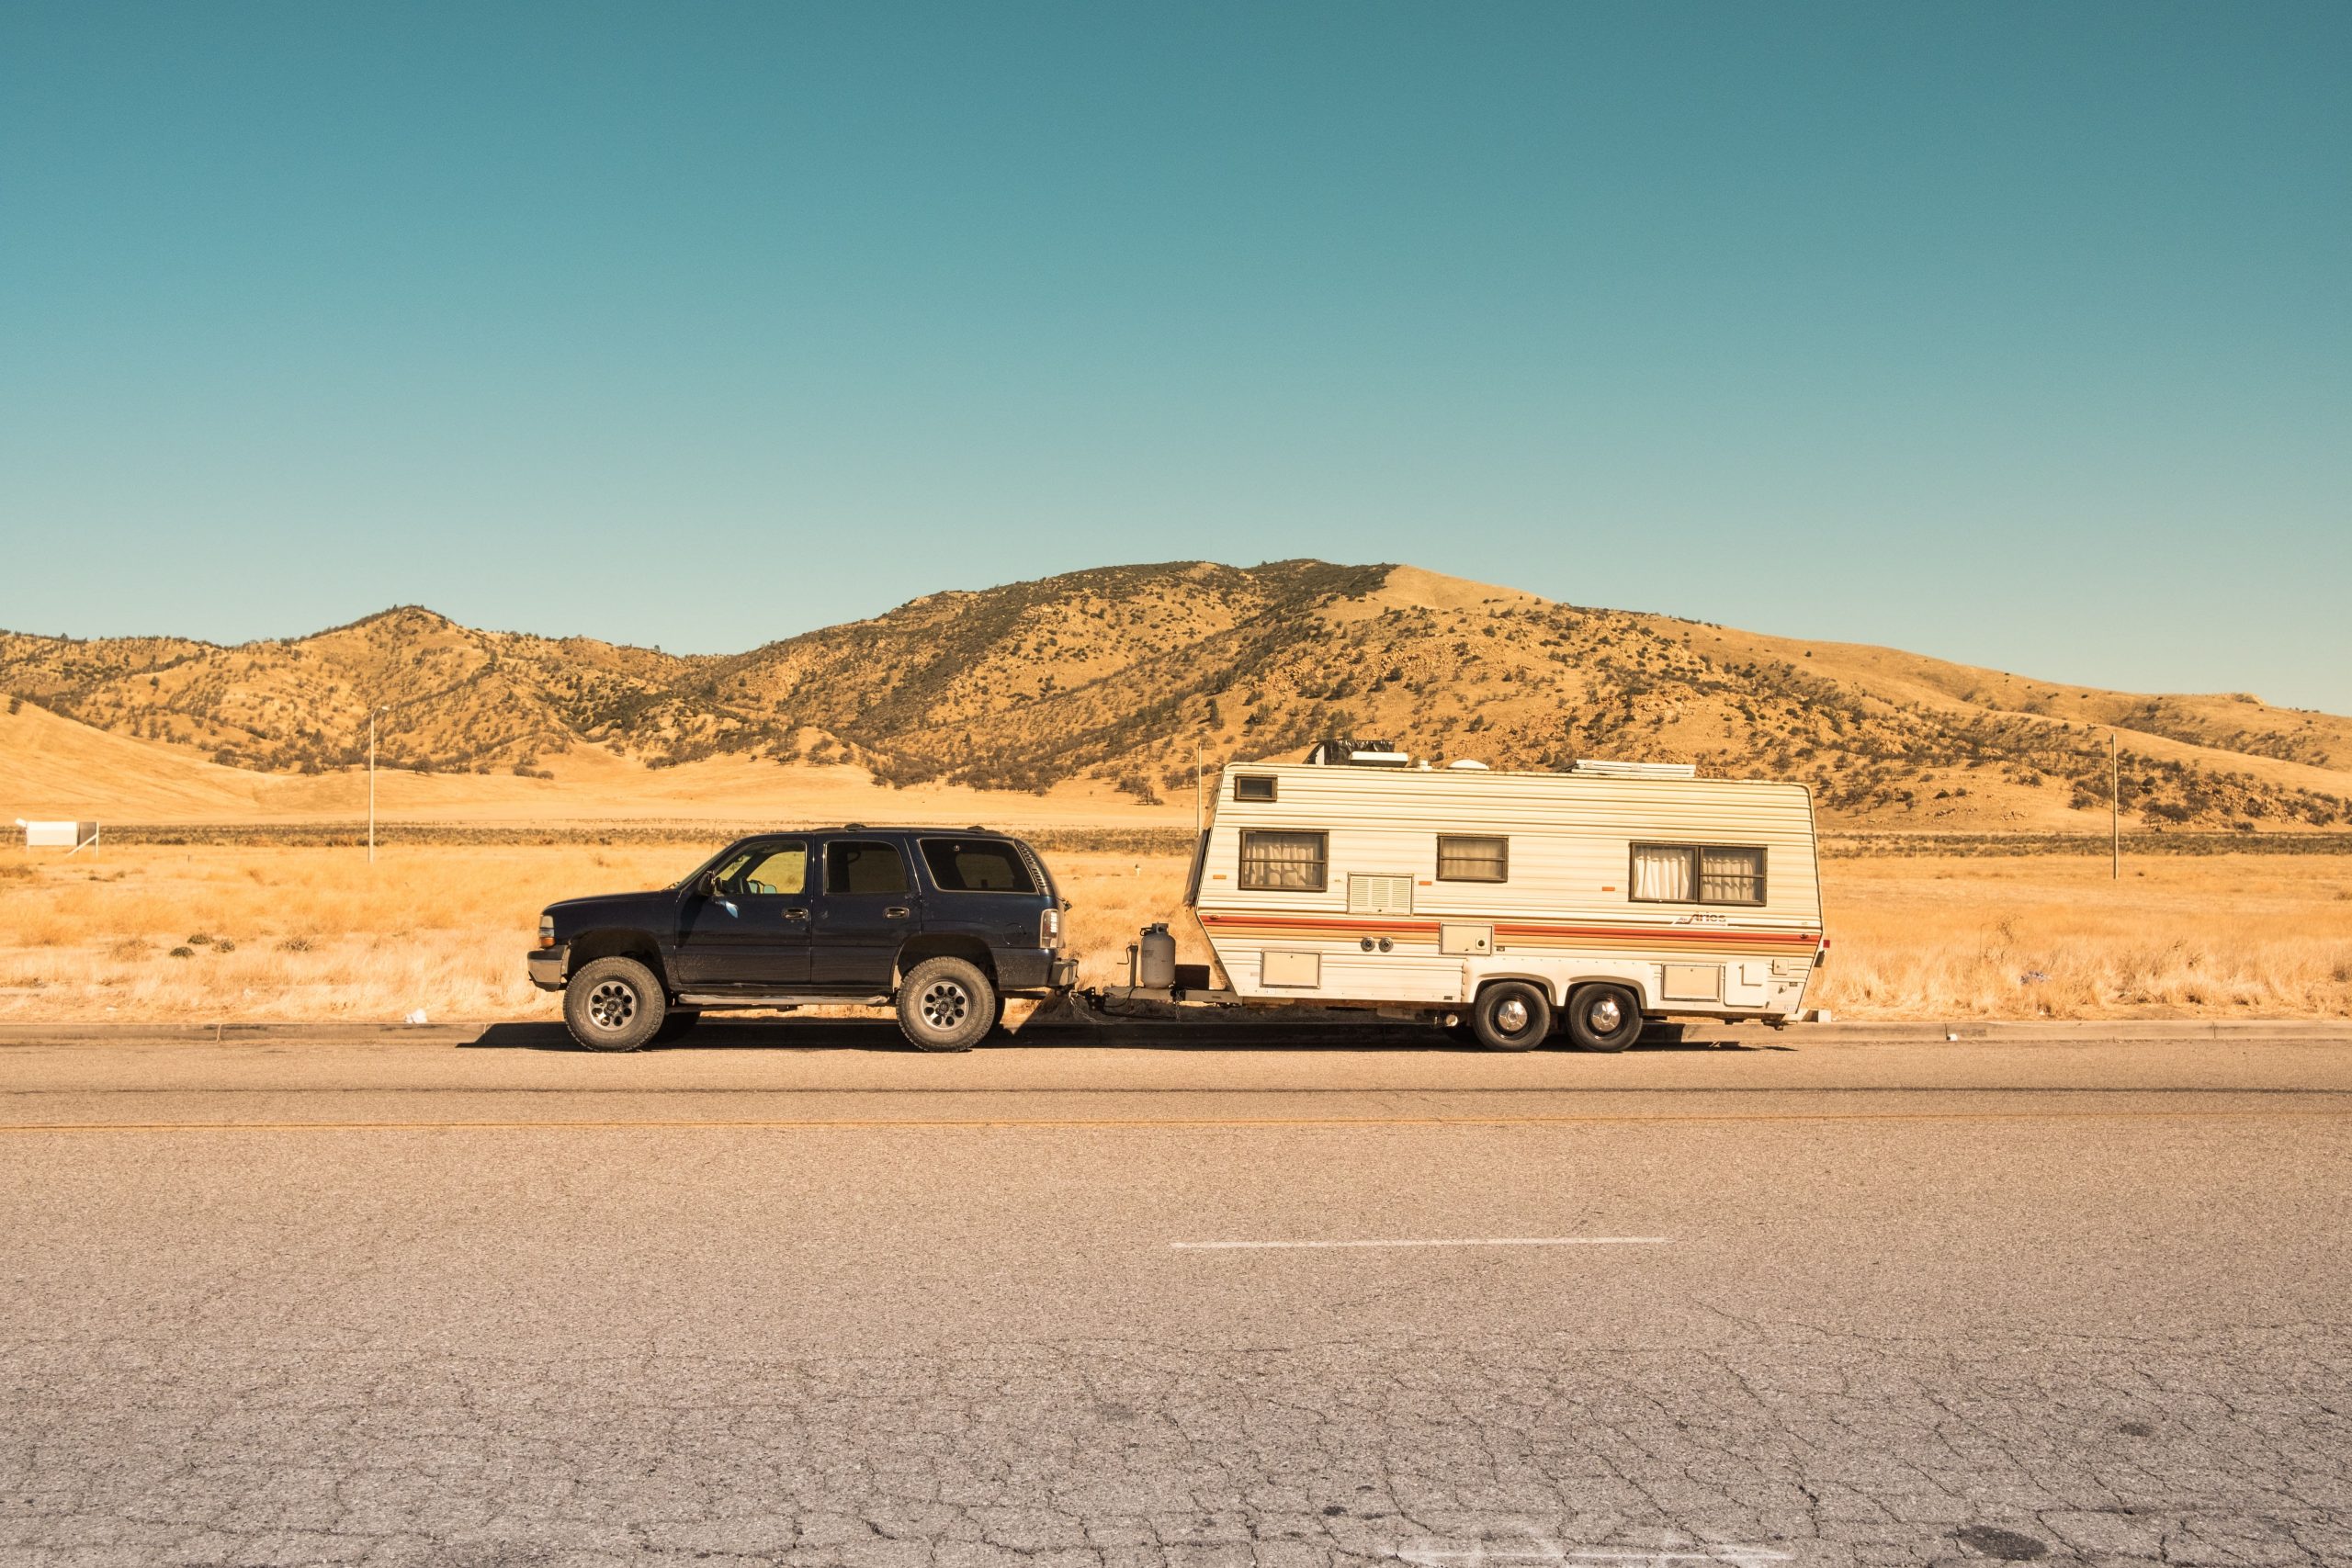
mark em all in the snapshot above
pixel 1156 958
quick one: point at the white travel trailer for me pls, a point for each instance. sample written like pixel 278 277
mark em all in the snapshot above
pixel 1595 898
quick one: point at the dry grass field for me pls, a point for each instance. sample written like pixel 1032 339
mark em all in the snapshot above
pixel 229 934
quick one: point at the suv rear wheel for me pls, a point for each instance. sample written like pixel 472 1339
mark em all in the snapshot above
pixel 947 1004
pixel 614 1004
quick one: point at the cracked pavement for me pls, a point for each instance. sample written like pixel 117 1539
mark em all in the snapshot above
pixel 2089 1322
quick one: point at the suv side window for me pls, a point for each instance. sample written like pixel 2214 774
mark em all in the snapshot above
pixel 864 865
pixel 779 869
pixel 983 865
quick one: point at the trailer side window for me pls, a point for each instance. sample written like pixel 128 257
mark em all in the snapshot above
pixel 1697 873
pixel 1461 857
pixel 1246 786
pixel 1284 862
pixel 1731 876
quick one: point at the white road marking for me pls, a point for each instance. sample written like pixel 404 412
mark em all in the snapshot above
pixel 1445 1241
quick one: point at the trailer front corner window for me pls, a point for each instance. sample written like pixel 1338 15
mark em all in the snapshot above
pixel 1246 786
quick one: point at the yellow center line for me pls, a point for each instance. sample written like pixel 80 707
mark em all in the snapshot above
pixel 984 1123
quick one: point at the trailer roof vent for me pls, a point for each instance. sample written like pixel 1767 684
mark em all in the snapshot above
pixel 1358 754
pixel 1611 769
pixel 1470 764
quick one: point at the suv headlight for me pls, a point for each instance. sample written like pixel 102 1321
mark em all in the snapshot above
pixel 547 931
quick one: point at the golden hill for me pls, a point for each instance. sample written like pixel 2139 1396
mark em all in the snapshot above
pixel 1095 678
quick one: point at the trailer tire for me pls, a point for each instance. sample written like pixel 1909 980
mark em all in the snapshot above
pixel 1512 1015
pixel 614 1004
pixel 947 1004
pixel 1604 1018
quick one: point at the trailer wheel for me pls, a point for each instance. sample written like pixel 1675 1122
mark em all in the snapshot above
pixel 1604 1018
pixel 1512 1015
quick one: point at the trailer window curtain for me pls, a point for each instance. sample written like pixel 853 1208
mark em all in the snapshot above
pixel 1731 877
pixel 1662 874
pixel 1698 873
pixel 1461 858
pixel 1284 862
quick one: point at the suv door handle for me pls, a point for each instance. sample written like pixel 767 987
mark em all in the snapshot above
pixel 796 914
pixel 896 912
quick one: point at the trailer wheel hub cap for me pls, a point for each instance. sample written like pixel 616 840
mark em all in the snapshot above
pixel 612 1005
pixel 1607 1015
pixel 944 1004
pixel 1511 1015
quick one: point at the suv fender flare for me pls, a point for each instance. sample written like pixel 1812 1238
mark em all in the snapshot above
pixel 942 944
pixel 618 942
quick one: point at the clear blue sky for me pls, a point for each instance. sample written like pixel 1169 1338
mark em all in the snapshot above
pixel 2019 334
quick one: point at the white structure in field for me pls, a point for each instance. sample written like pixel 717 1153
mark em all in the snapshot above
pixel 1414 889
pixel 58 835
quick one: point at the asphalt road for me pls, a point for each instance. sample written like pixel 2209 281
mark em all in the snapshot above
pixel 449 1298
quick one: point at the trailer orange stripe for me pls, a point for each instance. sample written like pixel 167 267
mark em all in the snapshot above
pixel 1307 925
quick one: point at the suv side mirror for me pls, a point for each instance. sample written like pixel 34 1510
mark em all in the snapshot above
pixel 707 884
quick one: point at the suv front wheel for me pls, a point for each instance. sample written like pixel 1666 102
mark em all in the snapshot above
pixel 614 1004
pixel 947 1004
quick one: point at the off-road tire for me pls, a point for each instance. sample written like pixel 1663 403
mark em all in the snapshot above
pixel 614 1004
pixel 1604 1018
pixel 947 1004
pixel 1507 1002
pixel 676 1023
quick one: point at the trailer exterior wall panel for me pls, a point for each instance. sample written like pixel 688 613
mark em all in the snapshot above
pixel 1385 927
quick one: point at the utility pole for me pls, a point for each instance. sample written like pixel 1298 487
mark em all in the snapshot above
pixel 371 783
pixel 2114 807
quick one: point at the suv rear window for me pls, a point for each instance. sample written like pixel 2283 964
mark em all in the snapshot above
pixel 975 865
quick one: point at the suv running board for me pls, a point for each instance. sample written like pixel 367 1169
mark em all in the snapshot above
pixel 782 999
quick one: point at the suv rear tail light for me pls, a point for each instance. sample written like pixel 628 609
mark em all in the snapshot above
pixel 1049 929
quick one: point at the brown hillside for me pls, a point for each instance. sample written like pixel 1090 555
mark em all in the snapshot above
pixel 1113 675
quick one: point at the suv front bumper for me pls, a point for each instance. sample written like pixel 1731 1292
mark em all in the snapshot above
pixel 546 965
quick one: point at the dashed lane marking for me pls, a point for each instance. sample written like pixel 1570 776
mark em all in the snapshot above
pixel 1442 1241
